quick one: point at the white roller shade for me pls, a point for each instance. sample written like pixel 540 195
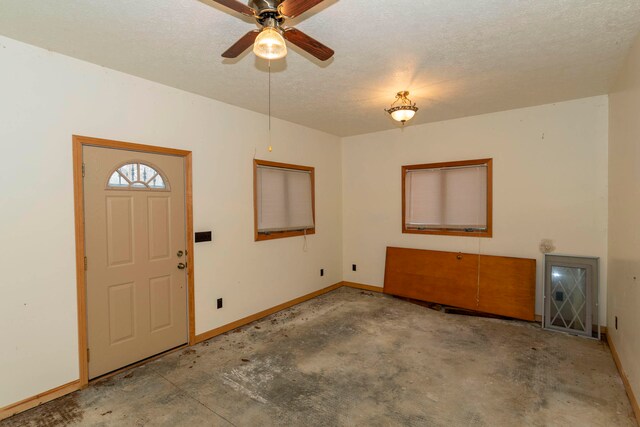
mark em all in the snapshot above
pixel 446 198
pixel 284 199
pixel 465 197
pixel 423 195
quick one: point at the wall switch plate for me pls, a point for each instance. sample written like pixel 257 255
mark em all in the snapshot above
pixel 353 267
pixel 219 303
pixel 203 236
pixel 322 272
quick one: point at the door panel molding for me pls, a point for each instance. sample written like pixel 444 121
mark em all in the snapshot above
pixel 78 142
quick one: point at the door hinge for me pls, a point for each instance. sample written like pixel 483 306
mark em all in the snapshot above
pixel 83 170
pixel 88 355
pixel 85 263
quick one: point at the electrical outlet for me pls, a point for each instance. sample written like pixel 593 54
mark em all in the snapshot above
pixel 219 303
pixel 322 272
pixel 353 267
pixel 616 323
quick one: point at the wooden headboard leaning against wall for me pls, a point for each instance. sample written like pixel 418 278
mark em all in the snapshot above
pixel 504 286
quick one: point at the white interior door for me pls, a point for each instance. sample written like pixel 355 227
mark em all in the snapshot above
pixel 135 247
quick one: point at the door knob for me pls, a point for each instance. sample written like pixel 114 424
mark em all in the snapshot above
pixel 182 266
pixel 180 253
pixel 459 256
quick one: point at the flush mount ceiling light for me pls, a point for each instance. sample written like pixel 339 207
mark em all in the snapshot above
pixel 402 109
pixel 269 40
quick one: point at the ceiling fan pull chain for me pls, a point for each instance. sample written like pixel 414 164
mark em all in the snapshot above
pixel 270 148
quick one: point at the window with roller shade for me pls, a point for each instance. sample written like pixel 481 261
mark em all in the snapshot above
pixel 453 198
pixel 283 200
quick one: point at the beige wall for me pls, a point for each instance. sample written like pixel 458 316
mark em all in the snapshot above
pixel 44 99
pixel 624 217
pixel 550 181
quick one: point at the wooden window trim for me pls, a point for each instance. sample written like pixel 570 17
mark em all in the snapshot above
pixel 281 234
pixel 487 233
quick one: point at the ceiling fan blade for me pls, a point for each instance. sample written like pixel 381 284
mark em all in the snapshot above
pixel 293 8
pixel 237 6
pixel 311 45
pixel 241 45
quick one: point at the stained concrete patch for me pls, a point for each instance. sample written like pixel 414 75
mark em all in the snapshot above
pixel 358 358
pixel 64 411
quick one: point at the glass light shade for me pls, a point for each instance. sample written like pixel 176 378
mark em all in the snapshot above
pixel 270 45
pixel 403 115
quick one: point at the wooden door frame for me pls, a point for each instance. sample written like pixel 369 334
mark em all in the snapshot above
pixel 78 191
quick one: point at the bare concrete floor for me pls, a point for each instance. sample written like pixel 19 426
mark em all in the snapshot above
pixel 356 358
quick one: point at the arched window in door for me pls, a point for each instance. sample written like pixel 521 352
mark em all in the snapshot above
pixel 137 176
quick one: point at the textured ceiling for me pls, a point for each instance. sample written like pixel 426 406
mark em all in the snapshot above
pixel 458 58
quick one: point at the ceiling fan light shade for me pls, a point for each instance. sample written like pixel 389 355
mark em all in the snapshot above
pixel 270 44
pixel 403 114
